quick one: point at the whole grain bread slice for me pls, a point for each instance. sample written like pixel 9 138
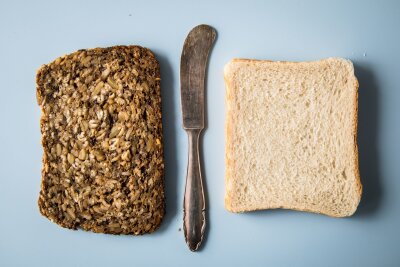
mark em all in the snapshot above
pixel 103 168
pixel 291 136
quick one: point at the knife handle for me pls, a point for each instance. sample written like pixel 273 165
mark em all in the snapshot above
pixel 194 221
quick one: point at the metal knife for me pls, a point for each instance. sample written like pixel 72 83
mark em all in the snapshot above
pixel 193 68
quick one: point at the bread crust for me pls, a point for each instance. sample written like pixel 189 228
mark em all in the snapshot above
pixel 355 134
pixel 228 147
pixel 228 78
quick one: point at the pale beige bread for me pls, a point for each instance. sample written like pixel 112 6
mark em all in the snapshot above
pixel 291 136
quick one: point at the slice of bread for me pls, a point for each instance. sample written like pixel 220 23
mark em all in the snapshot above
pixel 291 136
pixel 103 168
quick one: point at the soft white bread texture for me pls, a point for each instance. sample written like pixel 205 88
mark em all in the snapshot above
pixel 291 136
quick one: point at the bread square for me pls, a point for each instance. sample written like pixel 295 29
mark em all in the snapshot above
pixel 103 168
pixel 291 136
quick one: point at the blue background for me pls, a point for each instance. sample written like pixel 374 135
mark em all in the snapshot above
pixel 36 32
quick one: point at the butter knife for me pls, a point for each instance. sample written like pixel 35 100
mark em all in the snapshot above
pixel 193 68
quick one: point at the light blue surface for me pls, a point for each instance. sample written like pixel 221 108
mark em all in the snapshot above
pixel 36 32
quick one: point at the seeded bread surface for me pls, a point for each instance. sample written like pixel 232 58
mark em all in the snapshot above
pixel 101 128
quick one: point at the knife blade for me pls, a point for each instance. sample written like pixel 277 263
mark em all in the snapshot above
pixel 193 67
pixel 194 57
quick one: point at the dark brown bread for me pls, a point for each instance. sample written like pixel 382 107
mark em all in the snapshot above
pixel 101 128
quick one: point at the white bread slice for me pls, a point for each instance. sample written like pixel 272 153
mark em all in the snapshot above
pixel 291 136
